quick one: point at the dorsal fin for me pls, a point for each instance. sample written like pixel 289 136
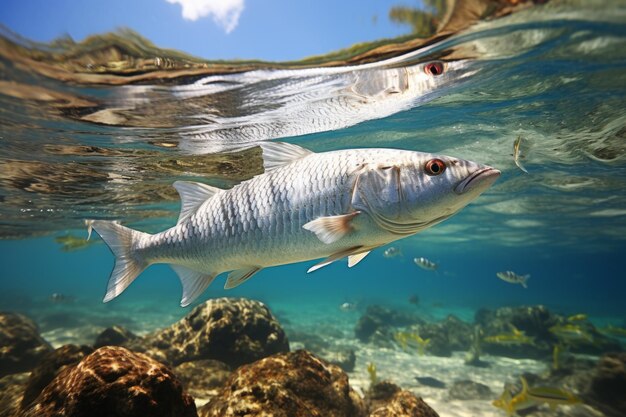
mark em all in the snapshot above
pixel 192 195
pixel 278 154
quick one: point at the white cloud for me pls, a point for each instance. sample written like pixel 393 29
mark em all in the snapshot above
pixel 224 12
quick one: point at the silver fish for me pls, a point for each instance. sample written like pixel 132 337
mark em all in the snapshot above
pixel 425 264
pixel 305 206
pixel 392 252
pixel 513 278
pixel 347 306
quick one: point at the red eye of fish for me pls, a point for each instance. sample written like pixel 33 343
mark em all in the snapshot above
pixel 435 167
pixel 434 68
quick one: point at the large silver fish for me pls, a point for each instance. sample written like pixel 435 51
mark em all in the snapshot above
pixel 305 206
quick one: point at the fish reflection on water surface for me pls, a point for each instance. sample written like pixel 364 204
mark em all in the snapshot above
pixel 305 206
pixel 226 112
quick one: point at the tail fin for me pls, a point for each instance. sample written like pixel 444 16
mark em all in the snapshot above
pixel 525 280
pixel 127 264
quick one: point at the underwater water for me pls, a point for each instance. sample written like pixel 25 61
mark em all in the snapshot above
pixel 553 75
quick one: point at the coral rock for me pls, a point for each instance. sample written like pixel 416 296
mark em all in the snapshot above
pixel 50 366
pixel 230 330
pixel 112 381
pixel 388 400
pixel 296 384
pixel 377 321
pixel 22 346
pixel 114 336
pixel 11 391
pixel 608 385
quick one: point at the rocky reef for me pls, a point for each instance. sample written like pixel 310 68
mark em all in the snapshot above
pixel 230 357
pixel 235 331
pixel 113 381
pixel 288 384
pixel 49 367
pixel 22 346
pixel 385 399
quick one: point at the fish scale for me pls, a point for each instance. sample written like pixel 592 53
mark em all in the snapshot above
pixel 305 206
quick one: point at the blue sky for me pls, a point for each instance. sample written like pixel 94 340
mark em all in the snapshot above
pixel 275 30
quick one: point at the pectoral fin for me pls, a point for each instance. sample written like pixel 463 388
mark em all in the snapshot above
pixel 331 228
pixel 239 276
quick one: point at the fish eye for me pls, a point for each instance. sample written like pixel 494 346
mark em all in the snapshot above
pixel 434 68
pixel 435 167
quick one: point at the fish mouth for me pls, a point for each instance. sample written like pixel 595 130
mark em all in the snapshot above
pixel 480 179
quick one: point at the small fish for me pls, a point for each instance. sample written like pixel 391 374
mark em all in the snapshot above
pixel 429 381
pixel 516 337
pixel 414 299
pixel 518 153
pixel 513 278
pixel 71 243
pixel 425 264
pixel 371 371
pixel 556 353
pixel 549 395
pixel 571 333
pixel 613 331
pixel 577 317
pixel 412 340
pixel 347 306
pixel 512 404
pixel 392 252
pixel 290 214
pixel 59 298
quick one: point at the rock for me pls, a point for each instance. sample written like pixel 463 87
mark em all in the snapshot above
pixel 113 381
pixel 445 336
pixel 608 385
pixel 114 336
pixel 534 321
pixel 381 319
pixel 22 346
pixel 202 379
pixel 342 356
pixel 235 331
pixel 295 384
pixel 11 392
pixel 470 390
pixel 50 366
pixel 386 399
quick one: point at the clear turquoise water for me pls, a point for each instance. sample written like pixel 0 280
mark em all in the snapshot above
pixel 555 76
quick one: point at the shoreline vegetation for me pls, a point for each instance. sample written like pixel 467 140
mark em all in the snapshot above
pixel 125 57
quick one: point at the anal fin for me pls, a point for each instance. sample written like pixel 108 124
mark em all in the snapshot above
pixel 355 259
pixel 330 229
pixel 194 283
pixel 334 257
pixel 239 276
